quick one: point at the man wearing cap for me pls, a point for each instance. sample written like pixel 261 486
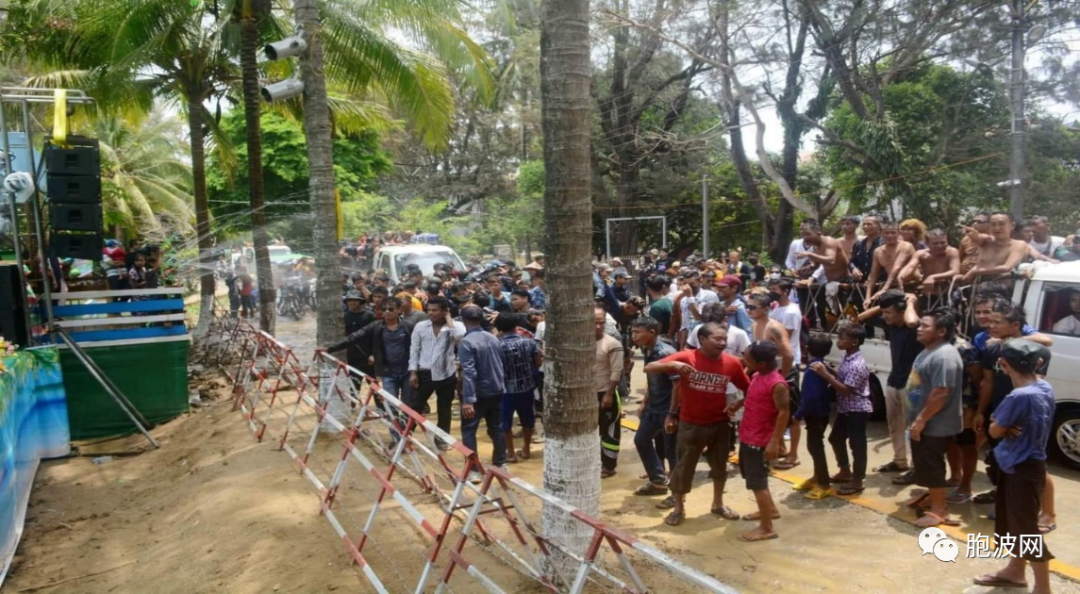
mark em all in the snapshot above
pixel 694 299
pixel 617 267
pixel 1023 422
pixel 482 386
pixel 356 317
pixel 728 287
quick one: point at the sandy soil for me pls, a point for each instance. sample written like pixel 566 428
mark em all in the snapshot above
pixel 214 511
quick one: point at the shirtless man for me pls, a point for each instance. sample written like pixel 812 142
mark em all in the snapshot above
pixel 849 225
pixel 938 263
pixel 891 258
pixel 999 253
pixel 827 251
pixel 969 250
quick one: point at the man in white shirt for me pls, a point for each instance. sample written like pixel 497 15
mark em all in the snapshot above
pixel 694 299
pixel 788 314
pixel 1041 240
pixel 1070 324
pixel 433 360
pixel 793 262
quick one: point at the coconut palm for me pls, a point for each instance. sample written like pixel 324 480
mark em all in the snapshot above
pixel 147 181
pixel 572 453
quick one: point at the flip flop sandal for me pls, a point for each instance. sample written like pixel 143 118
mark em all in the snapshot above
pixel 993 581
pixel 845 491
pixel 667 503
pixel 770 536
pixel 607 473
pixel 786 465
pixel 675 518
pixel 725 512
pixel 985 498
pixel 891 467
pixel 512 460
pixel 907 478
pixel 958 497
pixel 940 520
pixel 1047 528
pixel 524 455
pixel 650 489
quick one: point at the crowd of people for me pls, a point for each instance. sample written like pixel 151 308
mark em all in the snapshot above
pixel 734 374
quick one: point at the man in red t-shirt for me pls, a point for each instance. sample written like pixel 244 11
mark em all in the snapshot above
pixel 699 414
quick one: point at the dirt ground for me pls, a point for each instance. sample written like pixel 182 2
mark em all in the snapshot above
pixel 215 511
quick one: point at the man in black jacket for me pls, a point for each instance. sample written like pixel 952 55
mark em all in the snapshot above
pixel 385 347
pixel 357 317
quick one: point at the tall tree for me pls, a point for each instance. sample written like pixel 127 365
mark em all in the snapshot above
pixel 572 462
pixel 249 13
pixel 320 148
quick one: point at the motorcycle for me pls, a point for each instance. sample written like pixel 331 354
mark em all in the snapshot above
pixel 290 301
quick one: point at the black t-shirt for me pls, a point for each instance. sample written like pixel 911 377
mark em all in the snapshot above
pixel 1002 382
pixel 904 347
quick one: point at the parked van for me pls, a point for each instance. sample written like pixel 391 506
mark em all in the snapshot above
pixel 1050 297
pixel 395 258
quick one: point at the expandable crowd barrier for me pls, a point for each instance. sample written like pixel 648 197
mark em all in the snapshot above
pixel 384 474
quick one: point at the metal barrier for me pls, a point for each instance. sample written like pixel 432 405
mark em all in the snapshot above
pixel 371 457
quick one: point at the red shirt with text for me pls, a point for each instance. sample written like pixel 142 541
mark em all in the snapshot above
pixel 704 392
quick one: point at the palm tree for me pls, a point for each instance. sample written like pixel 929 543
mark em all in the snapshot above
pixel 250 13
pixel 147 182
pixel 572 453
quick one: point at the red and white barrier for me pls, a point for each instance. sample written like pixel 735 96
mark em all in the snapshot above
pixel 380 467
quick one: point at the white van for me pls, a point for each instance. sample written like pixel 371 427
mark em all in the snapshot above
pixel 394 258
pixel 1047 300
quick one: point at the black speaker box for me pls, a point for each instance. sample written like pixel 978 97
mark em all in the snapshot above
pixel 13 326
pixel 79 160
pixel 75 217
pixel 85 189
pixel 12 293
pixel 81 246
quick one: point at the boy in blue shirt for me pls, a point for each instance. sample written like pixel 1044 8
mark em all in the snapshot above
pixel 1023 423
pixel 814 409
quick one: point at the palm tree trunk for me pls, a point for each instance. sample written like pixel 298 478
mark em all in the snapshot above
pixel 572 453
pixel 249 37
pixel 321 180
pixel 202 211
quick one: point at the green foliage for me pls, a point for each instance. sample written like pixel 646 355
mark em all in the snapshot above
pixel 358 160
pixel 935 152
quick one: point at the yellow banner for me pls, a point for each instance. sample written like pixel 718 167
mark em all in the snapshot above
pixel 60 118
pixel 340 218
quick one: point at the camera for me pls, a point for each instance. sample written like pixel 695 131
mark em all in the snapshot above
pixel 281 90
pixel 289 47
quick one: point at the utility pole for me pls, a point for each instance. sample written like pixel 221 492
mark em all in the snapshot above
pixel 1019 125
pixel 705 218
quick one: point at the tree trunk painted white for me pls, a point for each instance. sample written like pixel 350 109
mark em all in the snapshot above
pixel 572 449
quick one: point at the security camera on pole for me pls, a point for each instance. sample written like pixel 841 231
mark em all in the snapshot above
pixel 290 47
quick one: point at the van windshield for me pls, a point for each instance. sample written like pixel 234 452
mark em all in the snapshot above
pixel 426 261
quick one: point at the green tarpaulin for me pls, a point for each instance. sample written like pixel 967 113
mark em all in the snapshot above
pixel 153 376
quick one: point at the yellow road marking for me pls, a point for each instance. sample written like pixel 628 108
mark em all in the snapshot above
pixel 956 532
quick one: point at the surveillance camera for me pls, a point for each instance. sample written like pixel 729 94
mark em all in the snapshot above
pixel 290 47
pixel 282 90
